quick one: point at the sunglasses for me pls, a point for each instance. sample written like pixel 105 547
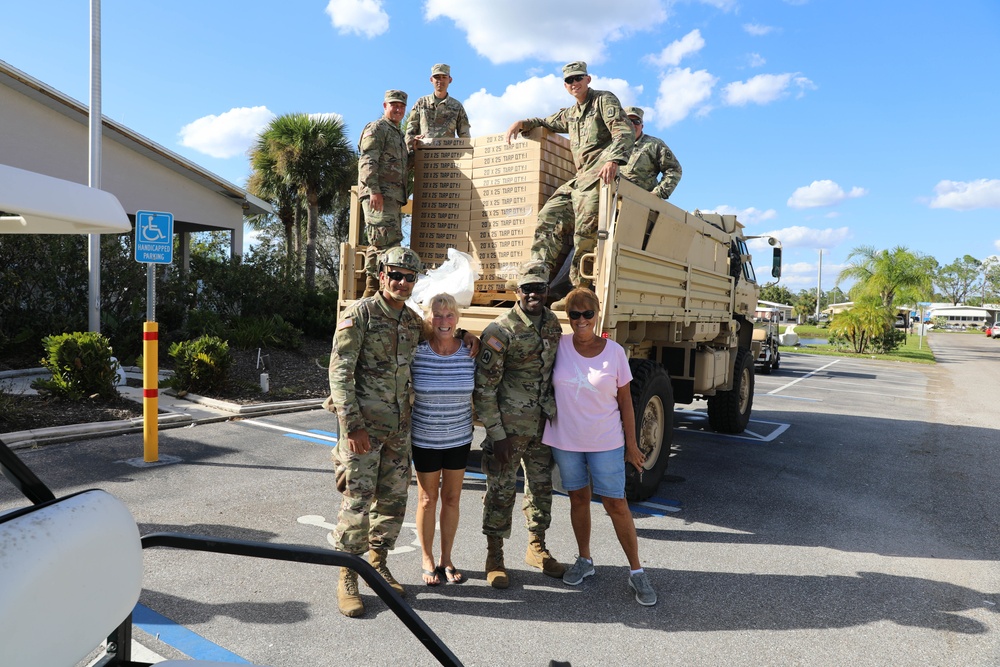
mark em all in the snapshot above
pixel 635 121
pixel 533 288
pixel 576 314
pixel 574 79
pixel 399 275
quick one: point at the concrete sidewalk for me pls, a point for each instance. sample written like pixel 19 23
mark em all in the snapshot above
pixel 174 411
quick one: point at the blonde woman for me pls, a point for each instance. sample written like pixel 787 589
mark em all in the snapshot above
pixel 443 379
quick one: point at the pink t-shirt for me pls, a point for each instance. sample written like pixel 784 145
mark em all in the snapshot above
pixel 587 414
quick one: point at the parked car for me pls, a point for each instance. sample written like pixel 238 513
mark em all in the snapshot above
pixel 994 331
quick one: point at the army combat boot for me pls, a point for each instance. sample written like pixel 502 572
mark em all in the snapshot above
pixel 377 558
pixel 348 597
pixel 538 556
pixel 496 573
pixel 371 287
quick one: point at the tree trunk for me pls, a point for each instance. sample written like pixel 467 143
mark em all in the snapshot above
pixel 312 231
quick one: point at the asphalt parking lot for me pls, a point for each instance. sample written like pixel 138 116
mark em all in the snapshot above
pixel 853 523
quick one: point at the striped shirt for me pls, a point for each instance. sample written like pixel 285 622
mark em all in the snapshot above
pixel 442 409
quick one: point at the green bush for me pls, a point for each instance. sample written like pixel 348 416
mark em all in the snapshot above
pixel 80 364
pixel 247 333
pixel 201 364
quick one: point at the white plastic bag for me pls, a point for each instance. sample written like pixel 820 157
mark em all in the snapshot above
pixel 457 277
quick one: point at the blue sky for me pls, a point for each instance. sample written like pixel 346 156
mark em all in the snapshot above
pixel 830 124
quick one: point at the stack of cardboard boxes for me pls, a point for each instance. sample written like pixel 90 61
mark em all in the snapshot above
pixel 484 199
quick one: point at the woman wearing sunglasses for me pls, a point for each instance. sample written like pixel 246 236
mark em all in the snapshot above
pixel 591 441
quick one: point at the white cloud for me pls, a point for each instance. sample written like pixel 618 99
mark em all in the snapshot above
pixel 748 216
pixel 677 50
pixel 226 135
pixel 822 193
pixel 534 97
pixel 756 60
pixel 513 30
pixel 361 17
pixel 806 237
pixel 724 5
pixel 757 30
pixel 803 275
pixel 997 244
pixel 681 92
pixel 764 89
pixel 961 196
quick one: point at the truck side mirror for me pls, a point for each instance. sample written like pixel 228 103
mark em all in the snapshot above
pixel 776 263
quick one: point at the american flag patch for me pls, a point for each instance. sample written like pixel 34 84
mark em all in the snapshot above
pixel 495 343
pixel 345 324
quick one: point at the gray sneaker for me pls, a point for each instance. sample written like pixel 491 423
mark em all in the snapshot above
pixel 581 570
pixel 644 593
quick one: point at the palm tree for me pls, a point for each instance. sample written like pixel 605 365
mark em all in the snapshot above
pixel 264 182
pixel 312 155
pixel 889 274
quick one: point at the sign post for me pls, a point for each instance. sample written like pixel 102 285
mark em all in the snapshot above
pixel 154 244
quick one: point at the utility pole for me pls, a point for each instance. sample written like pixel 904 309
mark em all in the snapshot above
pixel 819 282
pixel 94 172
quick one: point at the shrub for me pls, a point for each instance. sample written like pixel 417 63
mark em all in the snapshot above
pixel 247 333
pixel 80 364
pixel 201 364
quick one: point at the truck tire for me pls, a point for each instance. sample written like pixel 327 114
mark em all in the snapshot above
pixel 729 411
pixel 777 360
pixel 653 402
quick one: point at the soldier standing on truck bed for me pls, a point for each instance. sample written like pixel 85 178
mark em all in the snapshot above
pixel 601 138
pixel 514 398
pixel 382 167
pixel 373 347
pixel 437 115
pixel 650 158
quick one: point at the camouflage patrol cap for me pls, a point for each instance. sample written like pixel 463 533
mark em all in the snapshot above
pixel 441 68
pixel 574 68
pixel 395 96
pixel 404 258
pixel 532 271
pixel 634 111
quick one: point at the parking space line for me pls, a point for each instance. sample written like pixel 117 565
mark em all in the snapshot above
pixel 186 641
pixel 807 375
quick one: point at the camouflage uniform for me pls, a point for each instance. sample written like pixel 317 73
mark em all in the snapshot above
pixel 433 117
pixel 599 132
pixel 382 168
pixel 650 158
pixel 370 389
pixel 513 398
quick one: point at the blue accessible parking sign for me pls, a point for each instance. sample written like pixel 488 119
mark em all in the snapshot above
pixel 154 237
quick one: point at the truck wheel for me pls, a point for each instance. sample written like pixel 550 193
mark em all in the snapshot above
pixel 729 411
pixel 765 368
pixel 777 360
pixel 653 402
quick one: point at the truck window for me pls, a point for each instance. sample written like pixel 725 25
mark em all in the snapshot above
pixel 747 266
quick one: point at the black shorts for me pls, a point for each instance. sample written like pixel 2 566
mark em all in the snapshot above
pixel 432 460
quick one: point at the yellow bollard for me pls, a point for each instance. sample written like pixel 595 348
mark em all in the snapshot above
pixel 150 391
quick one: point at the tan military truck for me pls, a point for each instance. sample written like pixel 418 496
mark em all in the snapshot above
pixel 678 292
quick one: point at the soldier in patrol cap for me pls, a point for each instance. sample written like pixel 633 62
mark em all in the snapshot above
pixel 437 115
pixel 513 398
pixel 601 138
pixel 382 169
pixel 374 344
pixel 650 158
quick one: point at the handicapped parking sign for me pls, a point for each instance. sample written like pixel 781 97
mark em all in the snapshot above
pixel 154 237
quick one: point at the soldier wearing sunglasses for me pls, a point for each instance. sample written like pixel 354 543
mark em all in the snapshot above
pixel 650 158
pixel 601 138
pixel 513 398
pixel 373 347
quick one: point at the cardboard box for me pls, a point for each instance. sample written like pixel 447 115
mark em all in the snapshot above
pixel 424 184
pixel 430 192
pixel 531 168
pixel 432 204
pixel 429 169
pixel 444 142
pixel 524 178
pixel 443 154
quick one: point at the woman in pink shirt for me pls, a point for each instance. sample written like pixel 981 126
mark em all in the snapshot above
pixel 590 440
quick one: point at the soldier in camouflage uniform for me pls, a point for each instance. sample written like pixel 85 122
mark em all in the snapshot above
pixel 601 138
pixel 382 168
pixel 513 398
pixel 437 115
pixel 375 342
pixel 650 158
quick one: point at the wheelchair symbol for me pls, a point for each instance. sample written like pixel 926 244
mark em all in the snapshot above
pixel 151 231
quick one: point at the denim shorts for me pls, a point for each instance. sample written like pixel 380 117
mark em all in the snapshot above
pixel 606 469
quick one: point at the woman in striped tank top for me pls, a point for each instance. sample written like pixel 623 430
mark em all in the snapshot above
pixel 443 380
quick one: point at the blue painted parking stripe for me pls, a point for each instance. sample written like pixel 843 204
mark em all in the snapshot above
pixel 187 642
pixel 326 433
pixel 319 441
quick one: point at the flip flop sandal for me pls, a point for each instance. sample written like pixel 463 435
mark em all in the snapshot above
pixel 432 573
pixel 453 575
